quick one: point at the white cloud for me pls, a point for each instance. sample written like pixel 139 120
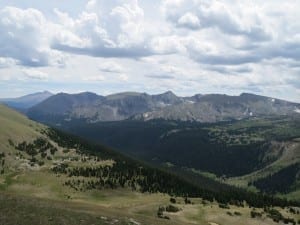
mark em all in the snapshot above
pixel 130 16
pixel 189 20
pixel 25 37
pixel 35 74
pixel 123 77
pixel 167 44
pixel 114 29
pixel 110 67
pixel 7 62
pixel 94 78
pixel 224 15
pixel 239 31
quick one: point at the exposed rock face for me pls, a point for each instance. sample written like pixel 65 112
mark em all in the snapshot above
pixel 215 107
pixel 142 106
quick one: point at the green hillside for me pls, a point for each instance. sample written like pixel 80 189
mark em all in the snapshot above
pixel 49 177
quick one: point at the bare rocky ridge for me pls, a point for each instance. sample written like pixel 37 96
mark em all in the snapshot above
pixel 214 108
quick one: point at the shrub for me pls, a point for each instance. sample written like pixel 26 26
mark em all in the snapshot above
pixel 53 150
pixel 237 213
pixel 43 154
pixel 173 200
pixel 204 202
pixel 187 201
pixel 224 206
pixel 255 214
pixel 172 208
pixel 229 213
pixel 11 143
pixel 160 212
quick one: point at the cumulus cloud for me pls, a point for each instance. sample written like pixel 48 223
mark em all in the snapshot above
pixel 25 38
pixel 223 15
pixel 101 30
pixel 240 32
pixel 114 29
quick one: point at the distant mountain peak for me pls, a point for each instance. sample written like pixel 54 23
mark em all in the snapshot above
pixel 36 94
pixel 169 93
pixel 46 92
pixel 24 102
pixel 248 94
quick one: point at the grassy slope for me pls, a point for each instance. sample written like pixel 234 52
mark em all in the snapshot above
pixel 37 196
pixel 16 127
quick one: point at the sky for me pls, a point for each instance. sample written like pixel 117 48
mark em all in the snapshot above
pixel 186 46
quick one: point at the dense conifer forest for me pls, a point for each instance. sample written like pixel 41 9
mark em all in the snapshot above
pixel 126 172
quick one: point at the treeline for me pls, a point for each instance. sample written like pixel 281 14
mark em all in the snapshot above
pixel 126 172
pixel 205 147
pixel 38 146
pixel 281 181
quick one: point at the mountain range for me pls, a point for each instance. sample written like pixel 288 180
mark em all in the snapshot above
pixel 27 101
pixel 141 106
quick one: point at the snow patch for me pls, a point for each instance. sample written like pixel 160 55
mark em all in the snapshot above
pixel 191 102
pixel 297 110
pixel 162 104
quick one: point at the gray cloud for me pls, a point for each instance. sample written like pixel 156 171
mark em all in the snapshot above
pixel 230 70
pixel 239 57
pixel 105 52
pixel 221 59
pixel 294 81
pixel 160 76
